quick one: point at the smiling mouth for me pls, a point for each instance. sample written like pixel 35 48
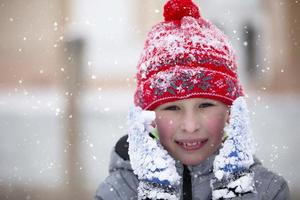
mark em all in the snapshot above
pixel 191 145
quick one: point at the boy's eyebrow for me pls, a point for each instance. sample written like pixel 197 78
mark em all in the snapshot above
pixel 168 105
pixel 210 101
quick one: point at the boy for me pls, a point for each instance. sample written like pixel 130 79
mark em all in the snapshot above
pixel 201 146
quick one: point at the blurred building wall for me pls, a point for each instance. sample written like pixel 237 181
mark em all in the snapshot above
pixel 283 30
pixel 31 42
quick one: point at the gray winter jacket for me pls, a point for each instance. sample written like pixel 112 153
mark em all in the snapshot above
pixel 121 184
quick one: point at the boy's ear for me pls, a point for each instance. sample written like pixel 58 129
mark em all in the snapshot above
pixel 153 124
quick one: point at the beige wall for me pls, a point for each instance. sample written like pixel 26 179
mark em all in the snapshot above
pixel 31 41
pixel 293 43
pixel 283 46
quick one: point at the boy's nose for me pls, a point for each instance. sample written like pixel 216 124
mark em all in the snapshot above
pixel 190 123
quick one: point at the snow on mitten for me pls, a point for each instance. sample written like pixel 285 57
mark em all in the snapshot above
pixel 233 176
pixel 155 168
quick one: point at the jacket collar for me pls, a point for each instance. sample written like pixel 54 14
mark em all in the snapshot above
pixel 204 168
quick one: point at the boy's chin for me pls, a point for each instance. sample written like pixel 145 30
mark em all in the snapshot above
pixel 192 162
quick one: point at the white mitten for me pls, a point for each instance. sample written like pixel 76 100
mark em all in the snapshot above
pixel 233 176
pixel 155 168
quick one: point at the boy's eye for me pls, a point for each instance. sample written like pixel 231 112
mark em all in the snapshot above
pixel 205 105
pixel 172 108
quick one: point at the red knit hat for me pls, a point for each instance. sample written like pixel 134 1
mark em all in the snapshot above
pixel 186 56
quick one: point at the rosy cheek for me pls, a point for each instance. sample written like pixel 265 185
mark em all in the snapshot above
pixel 165 127
pixel 215 126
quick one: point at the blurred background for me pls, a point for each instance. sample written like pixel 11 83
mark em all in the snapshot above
pixel 67 81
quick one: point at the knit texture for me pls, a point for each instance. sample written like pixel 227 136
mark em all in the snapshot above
pixel 186 56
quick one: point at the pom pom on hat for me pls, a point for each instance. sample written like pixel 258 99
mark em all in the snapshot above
pixel 176 9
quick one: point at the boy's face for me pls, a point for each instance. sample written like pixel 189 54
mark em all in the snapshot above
pixel 191 129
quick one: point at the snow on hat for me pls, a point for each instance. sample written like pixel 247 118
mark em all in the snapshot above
pixel 186 56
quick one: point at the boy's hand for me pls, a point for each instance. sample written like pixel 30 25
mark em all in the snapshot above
pixel 232 166
pixel 152 164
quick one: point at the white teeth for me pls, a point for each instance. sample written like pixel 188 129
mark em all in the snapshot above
pixel 190 144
